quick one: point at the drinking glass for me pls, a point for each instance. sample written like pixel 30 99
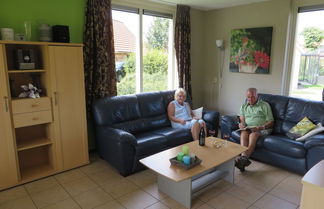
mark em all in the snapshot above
pixel 226 138
pixel 27 26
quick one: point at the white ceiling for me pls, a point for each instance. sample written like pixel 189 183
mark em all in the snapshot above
pixel 209 4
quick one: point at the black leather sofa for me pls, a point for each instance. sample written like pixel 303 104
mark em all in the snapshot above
pixel 131 127
pixel 277 149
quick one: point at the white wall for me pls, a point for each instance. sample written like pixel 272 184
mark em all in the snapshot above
pixel 218 25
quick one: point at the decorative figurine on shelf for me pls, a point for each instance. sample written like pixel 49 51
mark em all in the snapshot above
pixel 30 91
pixel 25 59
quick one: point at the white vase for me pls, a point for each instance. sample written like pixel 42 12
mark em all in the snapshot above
pixel 45 32
pixel 7 34
pixel 247 68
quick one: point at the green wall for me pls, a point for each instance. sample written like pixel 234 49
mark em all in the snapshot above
pixel 53 12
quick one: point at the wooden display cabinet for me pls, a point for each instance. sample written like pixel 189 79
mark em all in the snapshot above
pixel 45 135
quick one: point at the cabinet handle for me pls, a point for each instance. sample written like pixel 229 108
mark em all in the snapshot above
pixel 35 118
pixel 34 105
pixel 55 98
pixel 6 103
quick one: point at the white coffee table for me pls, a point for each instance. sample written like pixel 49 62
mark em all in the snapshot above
pixel 181 184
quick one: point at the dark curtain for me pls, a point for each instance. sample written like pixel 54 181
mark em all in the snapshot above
pixel 99 52
pixel 182 47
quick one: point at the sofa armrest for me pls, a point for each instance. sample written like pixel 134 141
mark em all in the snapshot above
pixel 315 150
pixel 117 147
pixel 120 136
pixel 228 124
pixel 212 121
pixel 314 141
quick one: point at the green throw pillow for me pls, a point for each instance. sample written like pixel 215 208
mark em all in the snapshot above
pixel 301 128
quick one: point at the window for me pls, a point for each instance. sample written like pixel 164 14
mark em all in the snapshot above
pixel 308 62
pixel 143 50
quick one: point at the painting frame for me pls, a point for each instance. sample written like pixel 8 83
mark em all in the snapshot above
pixel 250 50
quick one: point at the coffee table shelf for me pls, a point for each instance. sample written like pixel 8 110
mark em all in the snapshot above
pixel 205 180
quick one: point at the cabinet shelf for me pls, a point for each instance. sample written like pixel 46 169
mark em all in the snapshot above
pixel 24 145
pixel 35 162
pixel 36 172
pixel 35 99
pixel 27 71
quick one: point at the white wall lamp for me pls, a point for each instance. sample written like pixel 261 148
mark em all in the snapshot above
pixel 220 44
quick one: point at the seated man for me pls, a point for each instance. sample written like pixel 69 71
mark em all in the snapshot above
pixel 181 115
pixel 256 120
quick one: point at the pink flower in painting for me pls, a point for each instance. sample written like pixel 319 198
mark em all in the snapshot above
pixel 261 59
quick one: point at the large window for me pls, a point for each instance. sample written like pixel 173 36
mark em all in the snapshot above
pixel 143 48
pixel 308 62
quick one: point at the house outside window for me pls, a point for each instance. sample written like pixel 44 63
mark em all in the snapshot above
pixel 143 50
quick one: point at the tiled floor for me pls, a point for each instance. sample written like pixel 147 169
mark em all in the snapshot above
pixel 99 186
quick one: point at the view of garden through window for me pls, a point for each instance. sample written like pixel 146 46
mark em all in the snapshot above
pixel 308 63
pixel 155 53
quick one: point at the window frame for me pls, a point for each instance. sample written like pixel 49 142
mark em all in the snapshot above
pixel 296 7
pixel 172 79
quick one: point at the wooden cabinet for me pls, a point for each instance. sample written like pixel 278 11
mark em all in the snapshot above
pixel 68 86
pixel 8 164
pixel 46 135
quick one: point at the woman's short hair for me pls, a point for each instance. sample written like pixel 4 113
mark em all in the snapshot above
pixel 180 91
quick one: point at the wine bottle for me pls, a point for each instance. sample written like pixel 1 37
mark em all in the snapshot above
pixel 202 137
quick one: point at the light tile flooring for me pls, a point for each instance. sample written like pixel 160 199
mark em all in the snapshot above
pixel 99 186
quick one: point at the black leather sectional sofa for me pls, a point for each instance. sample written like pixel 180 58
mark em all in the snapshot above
pixel 131 127
pixel 277 149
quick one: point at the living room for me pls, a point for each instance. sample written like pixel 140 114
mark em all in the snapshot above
pixel 214 86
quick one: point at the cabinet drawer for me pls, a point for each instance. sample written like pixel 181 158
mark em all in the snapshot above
pixel 31 105
pixel 34 118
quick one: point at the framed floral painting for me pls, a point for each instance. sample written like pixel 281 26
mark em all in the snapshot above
pixel 250 50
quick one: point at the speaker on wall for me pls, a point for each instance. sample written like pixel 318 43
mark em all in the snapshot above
pixel 61 33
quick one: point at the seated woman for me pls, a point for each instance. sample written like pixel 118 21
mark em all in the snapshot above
pixel 181 115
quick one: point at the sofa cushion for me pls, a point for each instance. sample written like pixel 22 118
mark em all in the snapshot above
pixel 168 96
pixel 283 145
pixel 297 109
pixel 153 110
pixel 151 104
pixel 156 122
pixel 319 128
pixel 315 111
pixel 278 104
pixel 198 112
pixel 236 136
pixel 118 109
pixel 286 126
pixel 301 128
pixel 133 126
pixel 278 127
pixel 149 143
pixel 175 136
